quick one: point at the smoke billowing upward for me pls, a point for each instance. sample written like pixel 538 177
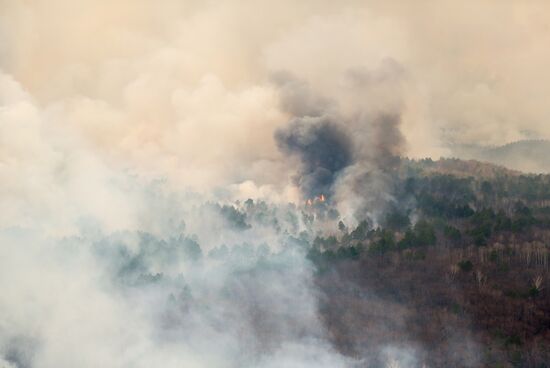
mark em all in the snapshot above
pixel 132 132
pixel 347 145
pixel 323 148
pixel 388 140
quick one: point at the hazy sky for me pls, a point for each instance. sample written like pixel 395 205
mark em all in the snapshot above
pixel 185 89
pixel 192 92
pixel 113 111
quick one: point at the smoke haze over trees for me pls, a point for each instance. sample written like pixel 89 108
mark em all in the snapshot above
pixel 259 184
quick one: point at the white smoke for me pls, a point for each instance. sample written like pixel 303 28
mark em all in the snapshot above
pixel 130 120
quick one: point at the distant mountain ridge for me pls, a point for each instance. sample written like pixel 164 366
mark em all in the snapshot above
pixel 530 156
pixel 461 168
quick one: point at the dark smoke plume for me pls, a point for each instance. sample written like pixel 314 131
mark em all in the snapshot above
pixel 350 143
pixel 323 148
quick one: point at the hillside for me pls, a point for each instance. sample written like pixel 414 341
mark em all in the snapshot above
pixel 458 167
pixel 526 155
pixel 462 273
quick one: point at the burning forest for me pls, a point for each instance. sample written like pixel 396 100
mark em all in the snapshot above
pixel 259 184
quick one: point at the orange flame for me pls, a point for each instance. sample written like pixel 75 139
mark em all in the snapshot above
pixel 311 201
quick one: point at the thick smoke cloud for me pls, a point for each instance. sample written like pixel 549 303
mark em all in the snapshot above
pixel 124 75
pixel 324 151
pixel 135 299
pixel 365 189
pixel 127 126
pixel 347 148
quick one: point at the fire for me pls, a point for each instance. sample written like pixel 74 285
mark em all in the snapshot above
pixel 320 198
